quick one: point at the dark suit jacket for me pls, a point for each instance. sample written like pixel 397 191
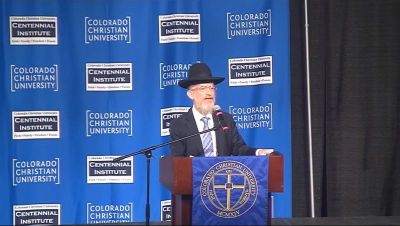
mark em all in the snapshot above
pixel 228 143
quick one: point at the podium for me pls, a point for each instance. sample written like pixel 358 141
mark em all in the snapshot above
pixel 176 175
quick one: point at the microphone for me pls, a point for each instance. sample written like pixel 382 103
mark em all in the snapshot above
pixel 220 116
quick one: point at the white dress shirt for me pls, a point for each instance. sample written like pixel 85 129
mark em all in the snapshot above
pixel 198 116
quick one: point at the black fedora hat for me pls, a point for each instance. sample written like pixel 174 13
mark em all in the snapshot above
pixel 199 73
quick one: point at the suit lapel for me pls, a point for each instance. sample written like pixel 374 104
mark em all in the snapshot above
pixel 196 146
pixel 219 136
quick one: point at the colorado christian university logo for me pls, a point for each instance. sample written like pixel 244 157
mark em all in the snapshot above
pixel 109 213
pixel 248 24
pixel 34 78
pixel 171 74
pixel 252 117
pixel 114 123
pixel 229 189
pixel 36 171
pixel 107 30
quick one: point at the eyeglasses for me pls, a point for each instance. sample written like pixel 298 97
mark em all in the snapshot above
pixel 204 88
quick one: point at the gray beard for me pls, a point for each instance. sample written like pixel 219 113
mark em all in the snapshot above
pixel 205 109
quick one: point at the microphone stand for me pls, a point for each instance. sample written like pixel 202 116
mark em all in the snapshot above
pixel 148 153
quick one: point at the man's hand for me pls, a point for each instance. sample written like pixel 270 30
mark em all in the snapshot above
pixel 264 151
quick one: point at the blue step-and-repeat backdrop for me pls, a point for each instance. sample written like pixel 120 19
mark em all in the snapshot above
pixel 83 82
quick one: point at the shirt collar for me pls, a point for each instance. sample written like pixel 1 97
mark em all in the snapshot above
pixel 198 116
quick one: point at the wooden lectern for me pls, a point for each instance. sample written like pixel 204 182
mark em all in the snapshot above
pixel 176 175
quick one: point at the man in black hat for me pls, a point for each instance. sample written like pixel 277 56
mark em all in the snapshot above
pixel 201 89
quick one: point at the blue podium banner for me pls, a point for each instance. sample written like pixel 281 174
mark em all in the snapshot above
pixel 230 190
